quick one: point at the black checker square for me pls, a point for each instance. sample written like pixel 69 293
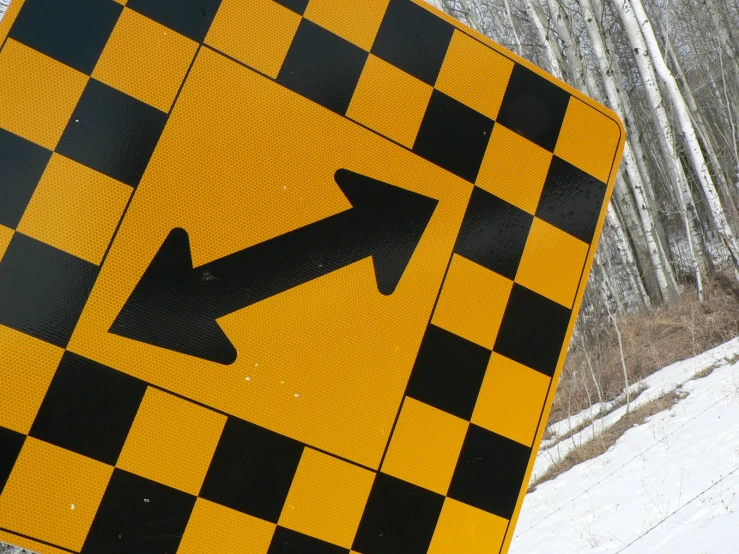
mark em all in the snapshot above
pixel 191 18
pixel 21 165
pixel 493 233
pixel 489 472
pixel 138 516
pixel 399 518
pixel 448 372
pixel 43 290
pixel 413 39
pixel 287 541
pixel 298 6
pixel 453 136
pixel 11 443
pixel 533 330
pixel 73 32
pixel 89 408
pixel 252 470
pixel 533 107
pixel 571 200
pixel 112 133
pixel 322 66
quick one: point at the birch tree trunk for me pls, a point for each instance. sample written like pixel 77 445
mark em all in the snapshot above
pixel 665 284
pixel 628 112
pixel 553 57
pixel 666 138
pixel 471 16
pixel 702 129
pixel 516 40
pixel 689 135
pixel 585 81
pixel 728 45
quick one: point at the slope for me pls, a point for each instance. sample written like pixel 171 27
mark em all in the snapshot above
pixel 669 485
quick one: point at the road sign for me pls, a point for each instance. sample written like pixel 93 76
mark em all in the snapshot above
pixel 281 275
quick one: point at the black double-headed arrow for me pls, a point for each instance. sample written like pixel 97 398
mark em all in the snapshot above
pixel 175 306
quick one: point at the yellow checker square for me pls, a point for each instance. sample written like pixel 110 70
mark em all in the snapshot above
pixel 215 528
pixel 27 366
pixel 466 529
pixel 145 60
pixel 255 32
pixel 171 441
pixel 354 20
pixel 425 446
pixel 514 169
pixel 327 498
pixel 474 74
pixel 6 22
pixel 52 494
pixel 472 302
pixel 37 94
pixel 6 235
pixel 28 544
pixel 511 399
pixel 552 263
pixel 390 101
pixel 588 139
pixel 75 209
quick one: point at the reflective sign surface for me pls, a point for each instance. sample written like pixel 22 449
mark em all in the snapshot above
pixel 290 276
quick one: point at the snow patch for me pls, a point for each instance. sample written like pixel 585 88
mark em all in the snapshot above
pixel 668 485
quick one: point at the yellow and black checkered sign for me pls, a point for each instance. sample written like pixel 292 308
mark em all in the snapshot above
pixel 281 276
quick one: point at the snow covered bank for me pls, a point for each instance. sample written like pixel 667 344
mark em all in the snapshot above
pixel 668 379
pixel 669 485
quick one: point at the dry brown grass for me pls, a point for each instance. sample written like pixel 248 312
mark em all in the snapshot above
pixel 651 340
pixel 608 437
pixel 704 372
pixel 575 429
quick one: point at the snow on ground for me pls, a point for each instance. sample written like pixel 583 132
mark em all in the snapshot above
pixel 669 485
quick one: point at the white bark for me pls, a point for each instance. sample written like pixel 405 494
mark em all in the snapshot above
pixel 727 41
pixel 596 42
pixel 471 17
pixel 553 59
pixel 574 60
pixel 516 40
pixel 663 129
pixel 703 131
pixel 730 113
pixel 628 111
pixel 688 131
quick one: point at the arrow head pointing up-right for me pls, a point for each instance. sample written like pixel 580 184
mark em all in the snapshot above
pixel 395 221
